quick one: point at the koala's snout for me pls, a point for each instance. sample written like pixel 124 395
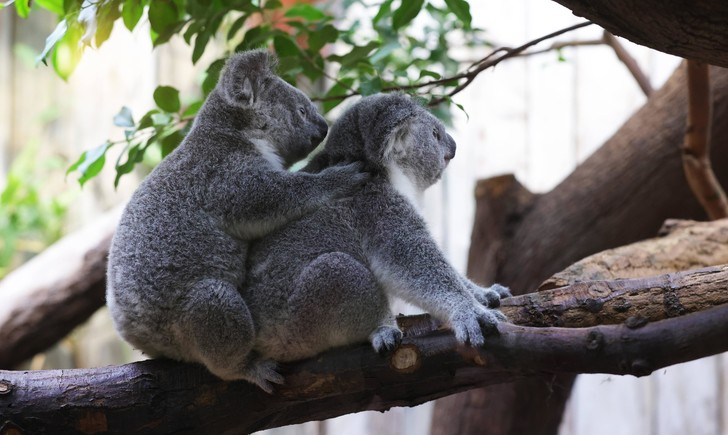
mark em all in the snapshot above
pixel 450 148
pixel 321 130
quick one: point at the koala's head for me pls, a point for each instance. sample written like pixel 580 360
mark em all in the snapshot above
pixel 388 130
pixel 275 111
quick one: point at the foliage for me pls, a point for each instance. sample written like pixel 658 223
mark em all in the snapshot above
pixel 29 221
pixel 365 49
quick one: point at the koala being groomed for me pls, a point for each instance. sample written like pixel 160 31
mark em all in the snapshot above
pixel 177 260
pixel 325 280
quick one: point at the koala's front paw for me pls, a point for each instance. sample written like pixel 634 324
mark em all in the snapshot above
pixel 346 179
pixel 491 296
pixel 385 338
pixel 472 323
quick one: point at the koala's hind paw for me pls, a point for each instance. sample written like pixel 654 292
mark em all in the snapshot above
pixel 385 338
pixel 262 372
pixel 470 325
pixel 491 296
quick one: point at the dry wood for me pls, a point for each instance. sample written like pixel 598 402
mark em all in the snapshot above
pixel 621 194
pixel 163 397
pixel 693 30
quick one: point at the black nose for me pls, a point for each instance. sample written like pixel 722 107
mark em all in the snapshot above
pixel 450 150
pixel 322 130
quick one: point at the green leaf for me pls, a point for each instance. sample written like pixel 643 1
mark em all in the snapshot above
pixel 212 75
pixel 161 119
pixel 170 142
pixel 371 86
pixel 146 120
pixel 461 9
pixel 163 18
pixel 192 109
pixel 131 13
pixel 236 26
pixel 167 98
pixel 384 11
pixel 305 11
pixel 406 12
pixel 355 55
pixel 341 88
pixel 285 46
pixel 319 38
pixel 22 7
pixel 124 118
pixel 90 163
pixel 200 44
pixel 54 6
pixel 105 23
pixel 428 73
pixel 67 52
pixel 58 33
pixel 135 154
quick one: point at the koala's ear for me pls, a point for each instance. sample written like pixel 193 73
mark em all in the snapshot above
pixel 386 121
pixel 244 77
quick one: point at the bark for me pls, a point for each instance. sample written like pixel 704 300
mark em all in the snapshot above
pixel 621 194
pixel 42 301
pixel 160 396
pixel 693 30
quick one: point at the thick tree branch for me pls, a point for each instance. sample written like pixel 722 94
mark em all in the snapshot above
pixel 693 30
pixel 162 396
pixel 696 149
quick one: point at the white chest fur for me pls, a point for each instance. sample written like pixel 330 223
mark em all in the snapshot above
pixel 405 185
pixel 266 149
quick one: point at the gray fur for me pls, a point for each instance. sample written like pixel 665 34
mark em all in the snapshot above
pixel 325 280
pixel 177 261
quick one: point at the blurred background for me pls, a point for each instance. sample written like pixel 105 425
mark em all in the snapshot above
pixel 537 117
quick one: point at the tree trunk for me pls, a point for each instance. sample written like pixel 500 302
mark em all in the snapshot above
pixel 621 194
pixel 693 30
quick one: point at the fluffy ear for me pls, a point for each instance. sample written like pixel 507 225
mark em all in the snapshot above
pixel 385 122
pixel 244 77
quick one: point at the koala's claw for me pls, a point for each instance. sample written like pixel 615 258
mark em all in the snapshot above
pixel 491 296
pixel 471 326
pixel 385 338
pixel 262 372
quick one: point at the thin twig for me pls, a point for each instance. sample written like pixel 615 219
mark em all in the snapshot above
pixel 470 73
pixel 696 148
pixel 562 45
pixel 623 55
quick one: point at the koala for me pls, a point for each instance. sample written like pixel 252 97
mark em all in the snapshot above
pixel 326 279
pixel 177 260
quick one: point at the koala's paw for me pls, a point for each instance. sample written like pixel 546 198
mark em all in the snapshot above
pixel 385 338
pixel 263 373
pixel 491 296
pixel 471 324
pixel 346 179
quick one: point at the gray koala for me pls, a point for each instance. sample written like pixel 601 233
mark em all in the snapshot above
pixel 326 279
pixel 177 260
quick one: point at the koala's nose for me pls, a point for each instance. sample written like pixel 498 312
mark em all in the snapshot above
pixel 322 129
pixel 450 148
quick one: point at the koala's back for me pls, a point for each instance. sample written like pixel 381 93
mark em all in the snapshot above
pixel 294 322
pixel 168 238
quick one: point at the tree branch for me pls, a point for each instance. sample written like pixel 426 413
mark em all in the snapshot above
pixel 623 55
pixel 161 396
pixel 469 74
pixel 696 148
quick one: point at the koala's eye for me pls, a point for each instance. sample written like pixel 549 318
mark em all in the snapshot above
pixel 301 110
pixel 436 133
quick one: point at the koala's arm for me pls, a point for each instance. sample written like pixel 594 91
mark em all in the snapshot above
pixel 408 263
pixel 265 199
